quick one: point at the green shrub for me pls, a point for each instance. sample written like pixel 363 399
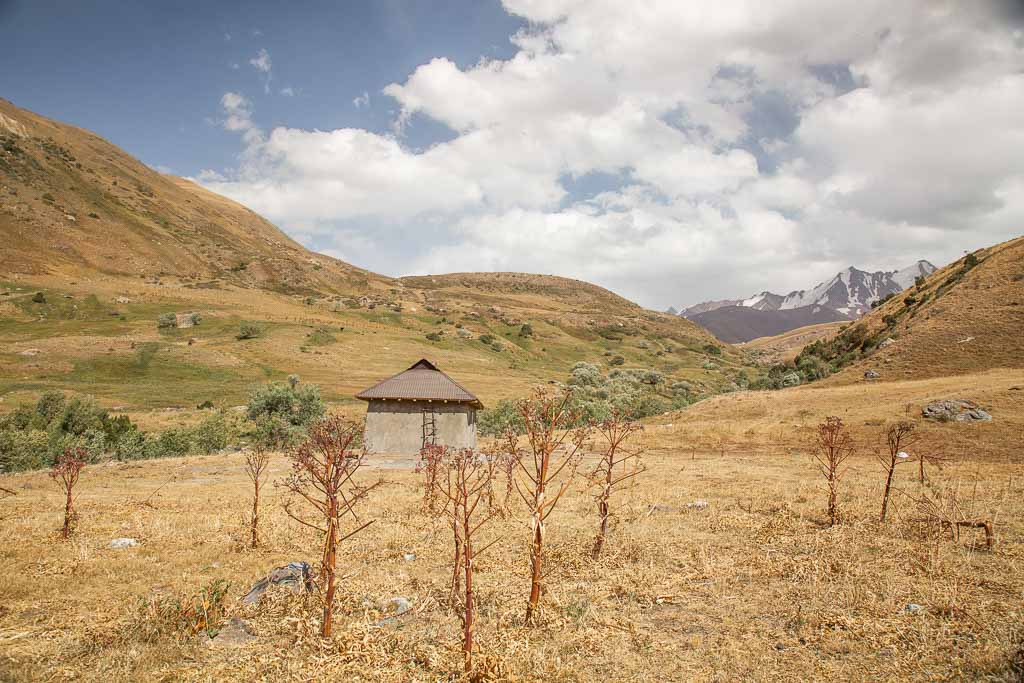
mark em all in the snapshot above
pixel 167 321
pixel 39 298
pixel 616 360
pixel 526 330
pixel 321 336
pixel 210 435
pixel 486 338
pixel 24 450
pixel 713 349
pixel 434 336
pixel 249 330
pixel 280 410
pixel 495 421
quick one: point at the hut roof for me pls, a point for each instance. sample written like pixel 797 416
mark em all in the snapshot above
pixel 422 382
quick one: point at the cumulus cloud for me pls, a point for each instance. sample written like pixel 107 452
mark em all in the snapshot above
pixel 674 151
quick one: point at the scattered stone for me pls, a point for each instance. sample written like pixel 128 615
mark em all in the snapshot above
pixel 791 379
pixel 30 352
pixel 871 374
pixel 662 508
pixel 698 505
pixel 119 543
pixel 888 341
pixel 394 608
pixel 235 633
pixel 955 410
pixel 122 300
pixel 295 575
pixel 69 217
pixel 912 608
pixel 409 557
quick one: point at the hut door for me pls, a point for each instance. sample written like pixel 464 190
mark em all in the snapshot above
pixel 429 427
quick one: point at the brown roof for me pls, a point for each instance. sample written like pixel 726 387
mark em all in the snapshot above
pixel 422 382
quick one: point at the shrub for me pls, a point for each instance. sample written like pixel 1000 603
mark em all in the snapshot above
pixel 24 450
pixel 249 330
pixel 486 338
pixel 713 349
pixel 210 435
pixel 434 336
pixel 526 330
pixel 652 377
pixel 970 261
pixel 321 336
pixel 39 298
pixel 500 419
pixel 281 410
pixel 167 321
pixel 616 360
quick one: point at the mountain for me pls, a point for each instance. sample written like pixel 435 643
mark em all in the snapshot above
pixel 95 246
pixel 735 324
pixel 846 296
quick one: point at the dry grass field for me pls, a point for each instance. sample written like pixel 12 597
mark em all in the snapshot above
pixel 754 586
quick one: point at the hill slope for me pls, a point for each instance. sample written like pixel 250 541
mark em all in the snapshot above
pixel 967 317
pixel 740 324
pixel 111 245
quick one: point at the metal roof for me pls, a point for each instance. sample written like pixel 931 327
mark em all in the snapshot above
pixel 422 382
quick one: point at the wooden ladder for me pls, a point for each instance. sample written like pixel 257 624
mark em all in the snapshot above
pixel 429 427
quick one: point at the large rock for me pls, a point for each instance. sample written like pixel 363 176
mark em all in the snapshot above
pixel 295 575
pixel 955 410
pixel 235 633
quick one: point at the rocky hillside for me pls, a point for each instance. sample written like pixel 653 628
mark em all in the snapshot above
pixel 735 324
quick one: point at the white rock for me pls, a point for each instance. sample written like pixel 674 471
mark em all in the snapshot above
pixel 123 543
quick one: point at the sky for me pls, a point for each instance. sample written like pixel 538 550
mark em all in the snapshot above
pixel 670 151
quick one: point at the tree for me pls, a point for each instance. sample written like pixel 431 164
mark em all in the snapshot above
pixel 834 446
pixel 618 464
pixel 466 482
pixel 65 472
pixel 256 462
pixel 547 419
pixel 897 437
pixel 323 467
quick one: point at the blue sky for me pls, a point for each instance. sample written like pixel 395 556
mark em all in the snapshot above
pixel 671 151
pixel 148 76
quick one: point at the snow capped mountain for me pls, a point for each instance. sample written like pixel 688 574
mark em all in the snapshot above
pixel 849 294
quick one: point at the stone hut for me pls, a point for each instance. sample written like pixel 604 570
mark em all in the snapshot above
pixel 418 407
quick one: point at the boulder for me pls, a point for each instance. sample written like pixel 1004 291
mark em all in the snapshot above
pixel 394 608
pixel 955 410
pixel 871 374
pixel 295 575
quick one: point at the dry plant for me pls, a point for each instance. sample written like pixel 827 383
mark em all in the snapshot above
pixel 834 446
pixel 467 479
pixel 618 465
pixel 897 437
pixel 942 507
pixel 323 467
pixel 65 472
pixel 548 419
pixel 427 467
pixel 256 462
pixel 923 459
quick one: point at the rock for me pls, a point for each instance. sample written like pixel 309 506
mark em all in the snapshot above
pixel 235 633
pixel 29 352
pixel 791 379
pixel 119 543
pixel 871 374
pixel 698 505
pixel 888 341
pixel 409 557
pixel 394 608
pixel 912 608
pixel 661 508
pixel 122 300
pixel 955 410
pixel 295 575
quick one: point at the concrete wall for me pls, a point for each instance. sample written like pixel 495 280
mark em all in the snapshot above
pixel 397 426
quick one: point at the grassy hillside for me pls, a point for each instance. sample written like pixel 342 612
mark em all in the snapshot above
pixel 110 245
pixel 965 318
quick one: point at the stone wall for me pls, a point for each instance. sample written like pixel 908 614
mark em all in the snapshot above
pixel 397 426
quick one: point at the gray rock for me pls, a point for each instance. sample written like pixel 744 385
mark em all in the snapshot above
pixel 871 374
pixel 235 633
pixel 295 575
pixel 29 352
pixel 119 543
pixel 698 505
pixel 394 608
pixel 955 410
pixel 409 557
pixel 912 608
pixel 888 341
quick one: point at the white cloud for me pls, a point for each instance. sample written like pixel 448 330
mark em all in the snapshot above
pixel 288 92
pixel 262 63
pixel 674 151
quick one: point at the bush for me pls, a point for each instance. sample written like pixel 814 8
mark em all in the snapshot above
pixel 526 330
pixel 970 261
pixel 210 435
pixel 652 377
pixel 280 409
pixel 713 349
pixel 248 330
pixel 39 298
pixel 321 336
pixel 434 336
pixel 495 421
pixel 24 450
pixel 167 321
pixel 486 338
pixel 616 360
